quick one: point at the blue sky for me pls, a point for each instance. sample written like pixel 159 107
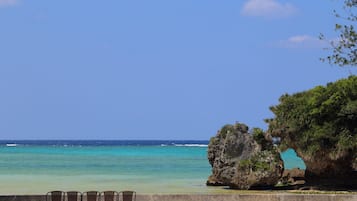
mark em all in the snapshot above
pixel 157 69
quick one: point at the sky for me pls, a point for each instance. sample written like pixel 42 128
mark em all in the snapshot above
pixel 158 69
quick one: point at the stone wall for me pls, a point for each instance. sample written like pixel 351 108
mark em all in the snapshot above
pixel 232 197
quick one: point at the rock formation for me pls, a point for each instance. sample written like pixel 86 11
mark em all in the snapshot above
pixel 293 177
pixel 320 124
pixel 240 162
pixel 322 171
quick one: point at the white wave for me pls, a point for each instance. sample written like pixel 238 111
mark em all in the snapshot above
pixel 11 145
pixel 163 145
pixel 191 145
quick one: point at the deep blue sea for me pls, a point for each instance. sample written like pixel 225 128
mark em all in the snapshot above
pixel 164 166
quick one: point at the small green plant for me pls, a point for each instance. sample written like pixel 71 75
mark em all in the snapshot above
pixel 255 163
pixel 260 166
pixel 259 137
pixel 227 129
pixel 245 164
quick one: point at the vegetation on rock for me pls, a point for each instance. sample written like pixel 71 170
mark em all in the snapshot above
pixel 262 139
pixel 321 126
pixel 242 160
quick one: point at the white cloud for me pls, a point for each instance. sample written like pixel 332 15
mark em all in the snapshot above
pixel 4 3
pixel 302 41
pixel 267 8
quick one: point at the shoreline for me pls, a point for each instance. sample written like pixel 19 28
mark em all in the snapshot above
pixel 224 192
pixel 214 197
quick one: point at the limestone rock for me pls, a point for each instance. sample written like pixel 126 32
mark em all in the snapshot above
pixel 238 161
pixel 323 170
pixel 293 176
pixel 212 181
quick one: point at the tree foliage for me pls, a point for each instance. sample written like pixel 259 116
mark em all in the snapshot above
pixel 344 49
pixel 320 121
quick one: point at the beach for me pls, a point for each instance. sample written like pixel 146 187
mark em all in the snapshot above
pixel 216 197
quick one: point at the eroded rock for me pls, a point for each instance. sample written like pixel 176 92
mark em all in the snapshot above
pixel 238 160
pixel 293 176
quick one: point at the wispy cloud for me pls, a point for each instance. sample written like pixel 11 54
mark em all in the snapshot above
pixel 4 3
pixel 268 9
pixel 302 41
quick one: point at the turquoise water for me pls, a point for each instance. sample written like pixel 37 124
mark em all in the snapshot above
pixel 188 161
pixel 35 169
pixel 291 160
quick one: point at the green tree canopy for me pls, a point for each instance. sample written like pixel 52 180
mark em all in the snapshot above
pixel 321 125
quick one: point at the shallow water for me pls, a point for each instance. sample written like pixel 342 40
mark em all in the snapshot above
pixel 170 167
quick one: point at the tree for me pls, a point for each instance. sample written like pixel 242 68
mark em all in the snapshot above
pixel 344 49
pixel 321 126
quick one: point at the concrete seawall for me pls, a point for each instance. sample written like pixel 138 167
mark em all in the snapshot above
pixel 235 197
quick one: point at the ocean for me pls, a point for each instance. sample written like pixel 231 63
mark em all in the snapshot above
pixel 36 167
